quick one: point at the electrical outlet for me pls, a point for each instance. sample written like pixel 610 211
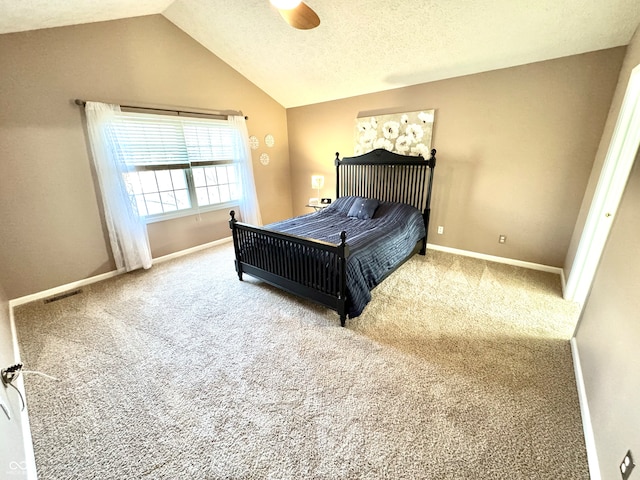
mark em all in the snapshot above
pixel 626 466
pixel 440 229
pixel 502 239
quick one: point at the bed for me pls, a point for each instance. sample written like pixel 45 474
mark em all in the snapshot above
pixel 337 255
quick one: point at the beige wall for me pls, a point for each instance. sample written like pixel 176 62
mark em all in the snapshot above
pixel 515 149
pixel 180 233
pixel 52 232
pixel 608 333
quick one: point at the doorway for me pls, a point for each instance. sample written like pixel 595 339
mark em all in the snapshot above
pixel 606 199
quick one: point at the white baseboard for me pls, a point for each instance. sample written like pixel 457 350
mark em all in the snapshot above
pixel 589 439
pixel 563 280
pixel 187 251
pixel 62 288
pixel 492 258
pixel 104 276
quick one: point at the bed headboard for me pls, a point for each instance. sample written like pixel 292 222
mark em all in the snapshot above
pixel 388 177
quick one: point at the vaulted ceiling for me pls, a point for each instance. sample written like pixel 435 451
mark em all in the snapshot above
pixel 361 46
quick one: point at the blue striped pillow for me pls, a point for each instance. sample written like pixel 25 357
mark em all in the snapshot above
pixel 363 208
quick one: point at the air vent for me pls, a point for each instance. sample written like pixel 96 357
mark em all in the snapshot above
pixel 70 293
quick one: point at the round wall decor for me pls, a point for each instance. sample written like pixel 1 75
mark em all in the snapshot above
pixel 254 142
pixel 269 140
pixel 264 159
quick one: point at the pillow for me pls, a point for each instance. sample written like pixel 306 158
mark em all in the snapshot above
pixel 363 208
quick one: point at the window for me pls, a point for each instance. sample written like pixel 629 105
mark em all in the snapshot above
pixel 177 165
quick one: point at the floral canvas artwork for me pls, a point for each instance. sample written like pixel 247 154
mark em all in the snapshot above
pixel 404 133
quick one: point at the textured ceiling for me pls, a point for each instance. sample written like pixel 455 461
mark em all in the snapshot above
pixel 362 46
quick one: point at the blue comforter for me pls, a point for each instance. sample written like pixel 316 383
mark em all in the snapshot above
pixel 377 246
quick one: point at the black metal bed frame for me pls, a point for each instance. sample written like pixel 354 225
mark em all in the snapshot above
pixel 314 269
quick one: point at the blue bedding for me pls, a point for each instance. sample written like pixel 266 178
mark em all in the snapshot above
pixel 377 245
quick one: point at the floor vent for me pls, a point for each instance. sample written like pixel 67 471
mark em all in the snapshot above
pixel 70 293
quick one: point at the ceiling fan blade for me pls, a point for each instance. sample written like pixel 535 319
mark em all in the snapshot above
pixel 301 17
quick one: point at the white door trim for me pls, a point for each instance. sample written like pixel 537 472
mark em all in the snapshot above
pixel 606 199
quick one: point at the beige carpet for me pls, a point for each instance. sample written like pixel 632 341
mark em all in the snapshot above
pixel 458 369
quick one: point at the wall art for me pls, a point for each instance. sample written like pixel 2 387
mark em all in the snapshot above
pixel 269 141
pixel 407 133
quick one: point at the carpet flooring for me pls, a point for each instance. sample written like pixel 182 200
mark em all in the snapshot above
pixel 458 369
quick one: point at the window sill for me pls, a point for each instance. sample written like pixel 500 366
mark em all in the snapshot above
pixel 189 212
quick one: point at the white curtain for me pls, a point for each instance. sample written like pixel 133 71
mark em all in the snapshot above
pixel 249 207
pixel 127 230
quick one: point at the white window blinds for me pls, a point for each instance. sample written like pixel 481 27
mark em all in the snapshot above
pixel 147 141
pixel 206 144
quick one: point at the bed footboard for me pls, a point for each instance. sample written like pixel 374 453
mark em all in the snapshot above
pixel 312 269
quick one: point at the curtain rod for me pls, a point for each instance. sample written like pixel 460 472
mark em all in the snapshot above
pixel 174 110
